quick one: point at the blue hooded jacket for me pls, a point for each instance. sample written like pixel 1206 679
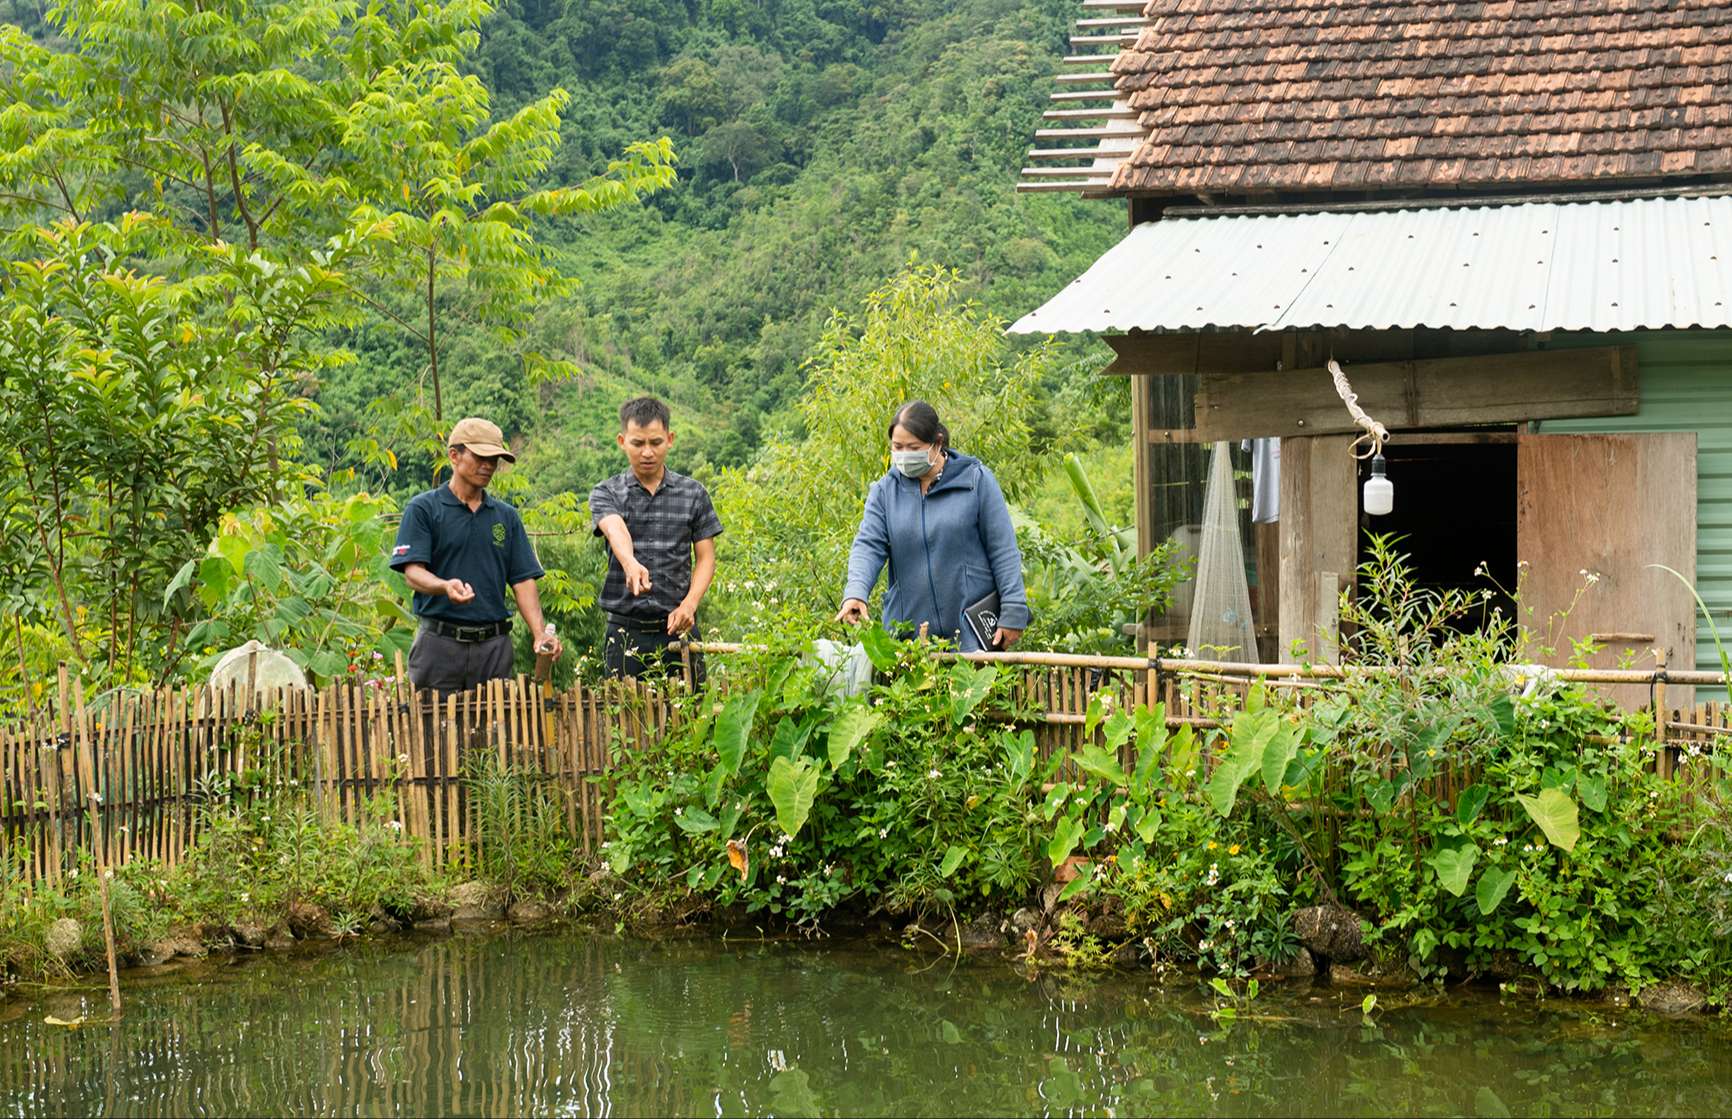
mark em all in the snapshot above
pixel 946 549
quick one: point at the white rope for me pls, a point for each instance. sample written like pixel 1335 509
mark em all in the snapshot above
pixel 1375 433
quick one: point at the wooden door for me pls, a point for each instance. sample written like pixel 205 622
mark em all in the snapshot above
pixel 1319 542
pixel 1610 506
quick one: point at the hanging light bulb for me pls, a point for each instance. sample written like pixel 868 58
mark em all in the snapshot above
pixel 1379 490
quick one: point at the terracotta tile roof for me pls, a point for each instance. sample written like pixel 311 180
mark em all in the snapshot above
pixel 1244 96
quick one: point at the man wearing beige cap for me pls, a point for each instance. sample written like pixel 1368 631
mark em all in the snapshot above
pixel 460 548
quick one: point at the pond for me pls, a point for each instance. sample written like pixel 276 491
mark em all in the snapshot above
pixel 569 1021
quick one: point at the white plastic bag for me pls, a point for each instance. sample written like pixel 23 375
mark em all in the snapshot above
pixel 843 668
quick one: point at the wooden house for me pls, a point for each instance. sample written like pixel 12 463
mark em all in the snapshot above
pixel 1509 223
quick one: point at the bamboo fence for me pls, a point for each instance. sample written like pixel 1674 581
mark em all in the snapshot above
pixel 136 770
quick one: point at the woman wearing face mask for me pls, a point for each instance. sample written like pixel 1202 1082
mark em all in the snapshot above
pixel 940 521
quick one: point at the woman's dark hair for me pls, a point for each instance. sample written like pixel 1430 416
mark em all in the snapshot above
pixel 920 420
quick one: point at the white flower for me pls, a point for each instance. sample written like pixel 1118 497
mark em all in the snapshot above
pixel 932 773
pixel 883 833
pixel 781 880
pixel 402 759
pixel 1202 946
pixel 394 825
pixel 1729 877
pixel 679 812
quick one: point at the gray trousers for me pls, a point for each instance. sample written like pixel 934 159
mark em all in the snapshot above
pixel 448 665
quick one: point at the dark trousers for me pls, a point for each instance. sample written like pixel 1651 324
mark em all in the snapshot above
pixel 448 665
pixel 642 649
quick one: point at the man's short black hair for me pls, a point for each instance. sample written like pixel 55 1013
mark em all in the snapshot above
pixel 644 411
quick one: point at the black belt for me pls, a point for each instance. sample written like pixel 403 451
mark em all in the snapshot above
pixel 485 631
pixel 639 625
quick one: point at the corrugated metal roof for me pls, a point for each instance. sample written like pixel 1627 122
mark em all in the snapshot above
pixel 1637 264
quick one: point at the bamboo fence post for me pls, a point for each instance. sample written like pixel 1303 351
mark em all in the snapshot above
pixel 92 804
pixel 1663 754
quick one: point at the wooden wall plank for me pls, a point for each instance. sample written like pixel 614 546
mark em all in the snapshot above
pixel 1438 392
pixel 1319 533
pixel 1611 506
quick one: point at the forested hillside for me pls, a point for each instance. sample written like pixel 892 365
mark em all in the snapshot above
pixel 259 256
pixel 821 144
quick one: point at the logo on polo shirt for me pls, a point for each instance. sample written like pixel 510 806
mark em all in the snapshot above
pixel 498 534
pixel 400 550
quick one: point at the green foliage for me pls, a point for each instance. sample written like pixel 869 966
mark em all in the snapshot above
pixel 792 514
pixel 1087 585
pixel 522 843
pixel 263 846
pixel 911 797
pixel 134 411
pixel 305 576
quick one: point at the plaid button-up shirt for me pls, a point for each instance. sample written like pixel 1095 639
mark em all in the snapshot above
pixel 663 526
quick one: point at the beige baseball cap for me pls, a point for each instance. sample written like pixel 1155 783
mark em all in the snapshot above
pixel 482 437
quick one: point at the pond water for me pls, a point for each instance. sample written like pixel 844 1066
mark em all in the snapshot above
pixel 573 1022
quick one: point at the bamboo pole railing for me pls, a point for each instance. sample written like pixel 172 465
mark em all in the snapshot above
pixel 155 759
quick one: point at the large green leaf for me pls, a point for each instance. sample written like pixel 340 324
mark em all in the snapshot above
pixel 234 550
pixel 1277 755
pixel 953 856
pixel 1454 866
pixel 971 685
pixel 1246 743
pixel 1098 761
pixel 734 727
pixel 695 821
pixel 1555 813
pixel 880 648
pixel 793 786
pixel 182 578
pixel 1064 839
pixel 1592 787
pixel 848 730
pixel 1151 738
pixel 1470 803
pixel 1084 879
pixel 1493 885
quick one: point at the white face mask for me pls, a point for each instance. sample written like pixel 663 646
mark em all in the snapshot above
pixel 914 464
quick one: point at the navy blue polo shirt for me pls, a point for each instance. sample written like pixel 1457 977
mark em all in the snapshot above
pixel 487 549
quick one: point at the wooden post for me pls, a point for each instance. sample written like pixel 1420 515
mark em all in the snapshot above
pixel 92 801
pixel 1663 754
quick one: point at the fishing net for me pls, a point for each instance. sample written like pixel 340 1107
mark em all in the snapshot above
pixel 1221 625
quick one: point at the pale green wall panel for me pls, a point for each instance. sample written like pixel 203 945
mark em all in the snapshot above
pixel 1686 385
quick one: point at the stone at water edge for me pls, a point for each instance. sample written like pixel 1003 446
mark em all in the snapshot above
pixel 309 921
pixel 1674 996
pixel 63 938
pixel 251 934
pixel 156 953
pixel 1303 965
pixel 528 911
pixel 981 934
pixel 1372 977
pixel 1332 932
pixel 476 901
pixel 1023 920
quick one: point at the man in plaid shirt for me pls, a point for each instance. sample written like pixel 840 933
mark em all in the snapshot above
pixel 661 533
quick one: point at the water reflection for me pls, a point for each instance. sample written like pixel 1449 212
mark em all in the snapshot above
pixel 585 1024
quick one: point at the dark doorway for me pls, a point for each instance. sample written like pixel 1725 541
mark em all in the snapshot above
pixel 1455 509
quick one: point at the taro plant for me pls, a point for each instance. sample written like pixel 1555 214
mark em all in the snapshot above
pixel 784 798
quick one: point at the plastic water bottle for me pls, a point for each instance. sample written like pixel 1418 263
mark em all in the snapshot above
pixel 544 654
